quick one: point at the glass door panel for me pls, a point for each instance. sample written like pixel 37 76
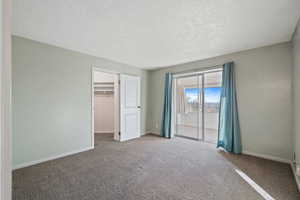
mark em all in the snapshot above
pixel 212 91
pixel 187 106
pixel 200 107
pixel 197 106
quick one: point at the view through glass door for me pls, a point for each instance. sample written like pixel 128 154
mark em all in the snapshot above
pixel 197 106
pixel 189 108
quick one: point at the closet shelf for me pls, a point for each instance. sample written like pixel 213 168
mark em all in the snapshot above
pixel 103 90
pixel 106 92
pixel 104 87
pixel 103 84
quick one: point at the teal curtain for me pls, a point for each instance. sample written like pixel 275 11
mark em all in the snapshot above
pixel 229 128
pixel 166 120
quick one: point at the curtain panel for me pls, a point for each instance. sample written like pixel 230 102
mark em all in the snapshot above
pixel 229 128
pixel 167 110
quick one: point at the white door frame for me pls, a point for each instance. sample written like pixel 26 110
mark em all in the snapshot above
pixel 116 103
pixel 5 101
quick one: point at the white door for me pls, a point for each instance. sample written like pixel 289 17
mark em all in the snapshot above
pixel 130 107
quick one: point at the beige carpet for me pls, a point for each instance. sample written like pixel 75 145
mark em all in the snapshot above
pixel 153 168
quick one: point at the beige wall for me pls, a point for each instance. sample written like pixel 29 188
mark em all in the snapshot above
pixel 264 97
pixel 104 113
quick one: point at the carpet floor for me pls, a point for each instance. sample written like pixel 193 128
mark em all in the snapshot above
pixel 153 168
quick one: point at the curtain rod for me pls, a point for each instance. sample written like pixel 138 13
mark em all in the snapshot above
pixel 197 70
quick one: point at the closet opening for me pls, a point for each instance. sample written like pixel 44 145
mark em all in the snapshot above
pixel 116 106
pixel 105 108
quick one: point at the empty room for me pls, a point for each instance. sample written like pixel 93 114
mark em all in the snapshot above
pixel 146 100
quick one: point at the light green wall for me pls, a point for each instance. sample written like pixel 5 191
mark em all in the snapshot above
pixel 264 97
pixel 52 99
pixel 296 92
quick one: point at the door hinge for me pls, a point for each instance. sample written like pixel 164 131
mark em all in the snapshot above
pixel 119 133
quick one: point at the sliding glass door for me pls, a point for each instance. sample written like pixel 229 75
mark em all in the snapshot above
pixel 197 105
pixel 212 91
pixel 188 111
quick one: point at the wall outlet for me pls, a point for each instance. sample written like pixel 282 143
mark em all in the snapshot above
pixel 156 125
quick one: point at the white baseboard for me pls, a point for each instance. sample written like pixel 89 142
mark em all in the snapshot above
pixel 27 164
pixel 128 139
pixel 268 157
pixel 144 133
pixel 99 132
pixel 152 132
pixel 295 175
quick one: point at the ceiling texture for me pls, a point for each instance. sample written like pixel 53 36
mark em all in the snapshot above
pixel 156 33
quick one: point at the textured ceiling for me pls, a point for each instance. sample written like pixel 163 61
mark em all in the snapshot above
pixel 156 33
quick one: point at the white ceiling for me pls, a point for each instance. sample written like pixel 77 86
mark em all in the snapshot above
pixel 156 33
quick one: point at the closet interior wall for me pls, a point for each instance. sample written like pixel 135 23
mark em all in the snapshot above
pixel 103 103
